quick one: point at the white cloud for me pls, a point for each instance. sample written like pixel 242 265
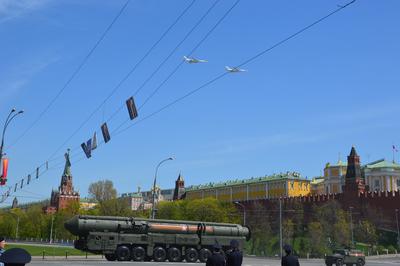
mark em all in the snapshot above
pixel 15 8
pixel 20 74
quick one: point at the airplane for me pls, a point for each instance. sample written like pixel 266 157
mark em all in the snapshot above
pixel 234 69
pixel 192 60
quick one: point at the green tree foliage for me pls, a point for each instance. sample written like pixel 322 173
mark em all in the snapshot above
pixel 102 190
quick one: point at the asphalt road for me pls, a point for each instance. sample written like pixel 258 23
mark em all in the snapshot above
pixel 248 261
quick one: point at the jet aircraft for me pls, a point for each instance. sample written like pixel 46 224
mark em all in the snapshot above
pixel 192 60
pixel 234 69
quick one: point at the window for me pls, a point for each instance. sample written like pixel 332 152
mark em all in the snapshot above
pixel 398 183
pixel 377 184
pixel 292 185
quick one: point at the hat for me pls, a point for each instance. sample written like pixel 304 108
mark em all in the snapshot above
pixel 15 257
pixel 234 243
pixel 217 247
pixel 2 238
pixel 287 248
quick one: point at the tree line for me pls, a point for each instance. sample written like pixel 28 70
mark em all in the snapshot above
pixel 311 231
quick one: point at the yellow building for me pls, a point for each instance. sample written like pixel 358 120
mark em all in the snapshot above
pixel 334 175
pixel 87 204
pixel 318 186
pixel 289 184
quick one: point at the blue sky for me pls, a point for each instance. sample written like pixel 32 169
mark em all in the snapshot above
pixel 296 108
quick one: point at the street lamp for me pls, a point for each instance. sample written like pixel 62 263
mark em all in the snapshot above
pixel 244 211
pixel 153 210
pixel 13 113
pixel 397 222
pixel 51 229
pixel 351 226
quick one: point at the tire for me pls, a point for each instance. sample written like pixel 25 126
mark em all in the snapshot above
pixel 138 254
pixel 339 262
pixel 110 257
pixel 159 254
pixel 174 254
pixel 123 253
pixel 204 254
pixel 349 264
pixel 191 255
pixel 360 262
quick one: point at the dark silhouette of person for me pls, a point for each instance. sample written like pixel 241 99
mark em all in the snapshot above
pixel 234 256
pixel 216 259
pixel 289 259
pixel 15 257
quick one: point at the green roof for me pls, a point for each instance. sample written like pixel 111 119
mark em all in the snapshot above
pixel 237 182
pixel 382 163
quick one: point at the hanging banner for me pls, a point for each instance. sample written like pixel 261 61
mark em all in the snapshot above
pixel 22 183
pixel 29 179
pixel 106 134
pixel 87 148
pixel 130 104
pixel 37 172
pixel 94 141
pixel 5 168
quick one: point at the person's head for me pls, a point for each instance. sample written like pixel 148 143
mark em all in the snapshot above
pixel 217 247
pixel 288 249
pixel 15 257
pixel 2 242
pixel 234 244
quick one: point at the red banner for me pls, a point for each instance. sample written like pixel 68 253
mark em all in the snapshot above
pixel 4 174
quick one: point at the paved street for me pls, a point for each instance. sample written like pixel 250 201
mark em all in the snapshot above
pixel 247 262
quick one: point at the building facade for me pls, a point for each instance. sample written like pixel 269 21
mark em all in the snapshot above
pixel 142 200
pixel 289 184
pixel 334 177
pixel 382 175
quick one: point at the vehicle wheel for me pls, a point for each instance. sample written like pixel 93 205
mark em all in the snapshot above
pixel 159 254
pixel 204 254
pixel 339 262
pixel 174 254
pixel 328 264
pixel 360 262
pixel 349 264
pixel 138 254
pixel 123 253
pixel 110 257
pixel 191 255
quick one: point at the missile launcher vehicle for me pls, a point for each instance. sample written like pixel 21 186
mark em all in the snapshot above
pixel 139 239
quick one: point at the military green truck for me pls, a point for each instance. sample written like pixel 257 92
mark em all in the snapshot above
pixel 346 257
pixel 139 239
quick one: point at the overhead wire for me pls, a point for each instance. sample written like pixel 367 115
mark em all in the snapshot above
pixel 182 62
pixel 251 59
pixel 125 78
pixel 169 55
pixel 220 76
pixel 74 73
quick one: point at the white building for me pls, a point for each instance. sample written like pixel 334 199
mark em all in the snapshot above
pixel 382 175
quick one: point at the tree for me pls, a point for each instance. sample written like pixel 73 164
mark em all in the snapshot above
pixel 102 190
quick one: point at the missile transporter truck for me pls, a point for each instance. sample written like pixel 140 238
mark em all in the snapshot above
pixel 139 239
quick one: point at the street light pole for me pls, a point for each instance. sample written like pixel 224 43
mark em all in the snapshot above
pixel 280 226
pixel 10 117
pixel 244 211
pixel 397 222
pixel 153 210
pixel 351 226
pixel 51 229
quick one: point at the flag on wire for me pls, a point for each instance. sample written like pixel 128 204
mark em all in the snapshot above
pixel 130 104
pixel 87 148
pixel 47 165
pixel 22 183
pixel 106 134
pixel 15 188
pixel 94 141
pixel 394 148
pixel 29 180
pixel 37 172
pixel 5 168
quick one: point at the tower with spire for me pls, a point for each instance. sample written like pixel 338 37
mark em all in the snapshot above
pixel 354 182
pixel 179 188
pixel 65 194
